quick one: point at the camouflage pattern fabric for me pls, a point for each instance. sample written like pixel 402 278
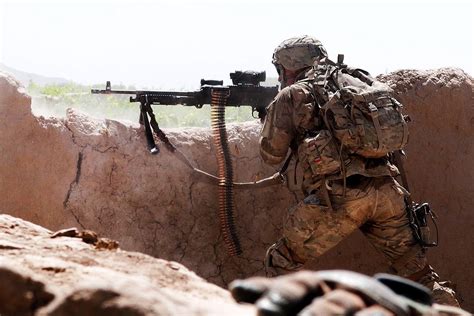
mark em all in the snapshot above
pixel 375 204
pixel 321 153
pixel 376 207
pixel 298 52
pixel 290 116
pixel 362 115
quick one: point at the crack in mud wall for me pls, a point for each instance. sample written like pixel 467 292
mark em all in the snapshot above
pixel 98 174
pixel 76 180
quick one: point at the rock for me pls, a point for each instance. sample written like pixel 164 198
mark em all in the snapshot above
pixel 66 232
pixel 106 243
pixel 97 174
pixel 88 236
pixel 20 294
pixel 65 276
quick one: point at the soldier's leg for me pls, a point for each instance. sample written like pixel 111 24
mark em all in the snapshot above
pixel 311 229
pixel 389 231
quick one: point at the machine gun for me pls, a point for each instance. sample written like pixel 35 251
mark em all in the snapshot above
pixel 244 91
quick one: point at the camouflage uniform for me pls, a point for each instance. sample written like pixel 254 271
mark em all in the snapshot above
pixel 369 199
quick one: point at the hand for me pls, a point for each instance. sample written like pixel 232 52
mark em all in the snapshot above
pixel 309 293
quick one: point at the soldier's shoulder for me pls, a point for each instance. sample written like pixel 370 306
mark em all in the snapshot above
pixel 283 96
pixel 296 93
pixel 286 91
pixel 301 91
pixel 297 87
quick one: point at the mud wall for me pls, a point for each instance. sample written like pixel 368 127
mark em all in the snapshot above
pixel 74 276
pixel 92 173
pixel 441 163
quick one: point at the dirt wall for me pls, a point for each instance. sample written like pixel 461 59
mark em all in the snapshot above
pixel 92 173
pixel 77 273
pixel 441 163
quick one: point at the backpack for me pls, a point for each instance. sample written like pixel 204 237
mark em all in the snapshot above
pixel 358 110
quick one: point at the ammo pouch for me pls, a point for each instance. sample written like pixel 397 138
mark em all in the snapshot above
pixel 420 216
pixel 320 153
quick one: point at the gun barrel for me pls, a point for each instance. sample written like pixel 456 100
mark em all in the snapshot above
pixel 106 91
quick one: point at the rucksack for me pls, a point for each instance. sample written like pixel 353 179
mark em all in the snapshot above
pixel 358 110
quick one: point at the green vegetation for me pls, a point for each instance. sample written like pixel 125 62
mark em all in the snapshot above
pixel 53 100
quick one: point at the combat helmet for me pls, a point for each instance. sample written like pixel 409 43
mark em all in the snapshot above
pixel 298 52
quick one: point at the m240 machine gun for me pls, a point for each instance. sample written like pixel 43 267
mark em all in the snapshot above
pixel 244 91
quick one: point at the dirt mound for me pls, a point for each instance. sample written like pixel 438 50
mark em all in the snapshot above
pixel 97 174
pixel 42 275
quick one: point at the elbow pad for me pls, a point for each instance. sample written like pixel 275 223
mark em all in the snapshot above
pixel 269 154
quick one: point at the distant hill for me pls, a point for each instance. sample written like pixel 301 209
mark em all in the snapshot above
pixel 25 77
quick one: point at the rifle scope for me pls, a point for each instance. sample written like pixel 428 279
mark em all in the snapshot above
pixel 247 77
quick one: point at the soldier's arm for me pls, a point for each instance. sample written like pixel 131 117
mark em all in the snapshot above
pixel 278 129
pixel 289 115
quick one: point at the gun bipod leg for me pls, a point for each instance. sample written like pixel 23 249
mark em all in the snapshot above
pixel 148 134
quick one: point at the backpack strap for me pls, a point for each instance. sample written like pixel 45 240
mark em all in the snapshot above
pixel 399 106
pixel 374 114
pixel 325 192
pixel 360 74
pixel 324 81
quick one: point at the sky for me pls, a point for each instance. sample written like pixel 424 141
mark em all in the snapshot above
pixel 173 44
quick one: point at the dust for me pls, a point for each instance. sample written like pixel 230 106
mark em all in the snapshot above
pixel 51 106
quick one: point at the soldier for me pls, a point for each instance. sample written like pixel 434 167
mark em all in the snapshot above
pixel 365 195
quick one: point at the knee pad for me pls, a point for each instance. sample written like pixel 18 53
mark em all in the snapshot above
pixel 278 256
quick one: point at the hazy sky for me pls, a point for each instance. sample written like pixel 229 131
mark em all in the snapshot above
pixel 173 44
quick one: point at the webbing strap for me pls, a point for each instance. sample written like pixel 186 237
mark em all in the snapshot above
pixel 276 178
pixel 374 114
pixel 325 191
pixel 398 106
pixel 400 262
pixel 206 177
pixel 398 160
